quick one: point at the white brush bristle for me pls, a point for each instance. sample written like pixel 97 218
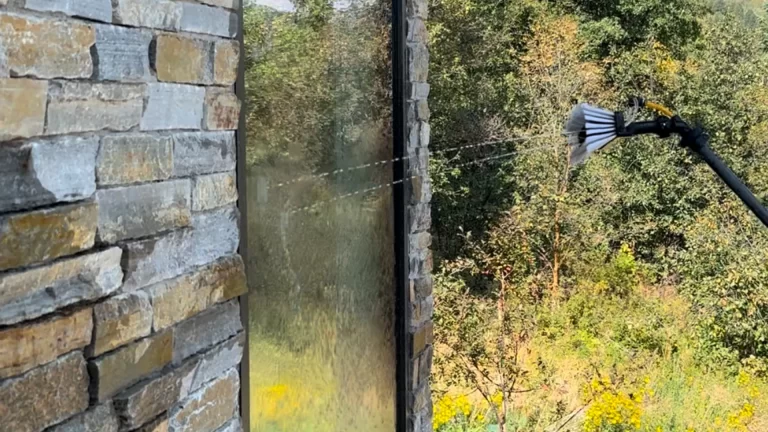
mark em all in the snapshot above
pixel 588 130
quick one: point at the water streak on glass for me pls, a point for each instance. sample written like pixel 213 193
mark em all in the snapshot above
pixel 321 306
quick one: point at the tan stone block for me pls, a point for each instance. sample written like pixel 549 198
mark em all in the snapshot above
pixel 420 241
pixel 22 113
pixel 157 425
pixel 222 109
pixel 120 320
pixel 44 396
pixel 126 366
pixel 183 60
pixel 208 408
pixel 43 235
pixel 185 296
pixel 134 158
pixel 225 62
pixel 46 48
pixel 26 347
pixel 422 338
pixel 214 191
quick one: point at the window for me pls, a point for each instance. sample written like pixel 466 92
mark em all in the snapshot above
pixel 321 230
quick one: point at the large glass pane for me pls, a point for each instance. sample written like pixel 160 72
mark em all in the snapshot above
pixel 320 250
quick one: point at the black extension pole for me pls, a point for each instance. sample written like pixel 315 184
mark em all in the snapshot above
pixel 698 142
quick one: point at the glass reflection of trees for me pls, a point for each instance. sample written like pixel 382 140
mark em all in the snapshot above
pixel 318 95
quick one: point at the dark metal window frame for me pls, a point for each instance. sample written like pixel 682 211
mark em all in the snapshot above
pixel 400 212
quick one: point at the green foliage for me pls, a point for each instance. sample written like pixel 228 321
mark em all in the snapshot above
pixel 614 25
pixel 586 253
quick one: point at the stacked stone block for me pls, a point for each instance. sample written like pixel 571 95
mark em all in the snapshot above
pixel 119 272
pixel 419 215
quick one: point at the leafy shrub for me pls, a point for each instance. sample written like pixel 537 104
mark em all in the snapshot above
pixel 610 409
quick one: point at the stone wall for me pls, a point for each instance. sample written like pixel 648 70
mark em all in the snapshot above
pixel 119 273
pixel 420 259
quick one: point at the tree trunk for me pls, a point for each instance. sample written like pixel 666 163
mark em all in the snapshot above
pixel 555 289
pixel 501 306
pixel 557 247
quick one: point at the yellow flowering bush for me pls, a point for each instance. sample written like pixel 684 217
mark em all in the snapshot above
pixel 612 410
pixel 739 420
pixel 666 66
pixel 449 408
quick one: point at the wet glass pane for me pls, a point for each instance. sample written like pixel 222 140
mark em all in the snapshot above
pixel 320 250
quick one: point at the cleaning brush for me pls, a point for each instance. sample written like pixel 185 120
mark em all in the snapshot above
pixel 588 130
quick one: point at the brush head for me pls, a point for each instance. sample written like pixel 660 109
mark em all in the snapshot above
pixel 588 130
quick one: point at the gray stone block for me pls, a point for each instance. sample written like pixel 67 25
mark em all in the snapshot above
pixel 203 153
pixel 419 217
pixel 32 293
pixel 424 134
pixel 418 90
pixel 85 106
pixel 101 418
pixel 139 211
pixel 213 235
pixel 209 408
pixel 160 14
pixel 42 172
pixel 4 72
pixel 122 53
pixel 418 62
pixel 417 8
pixel 218 360
pixel 197 18
pixel 205 330
pixel 173 106
pixel 229 4
pixel 99 10
pixel 417 30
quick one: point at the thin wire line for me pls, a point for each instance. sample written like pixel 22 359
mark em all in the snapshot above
pixel 350 194
pixel 502 156
pixel 490 143
pixel 321 203
pixel 321 175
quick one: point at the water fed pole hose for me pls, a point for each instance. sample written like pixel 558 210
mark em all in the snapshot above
pixel 590 128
